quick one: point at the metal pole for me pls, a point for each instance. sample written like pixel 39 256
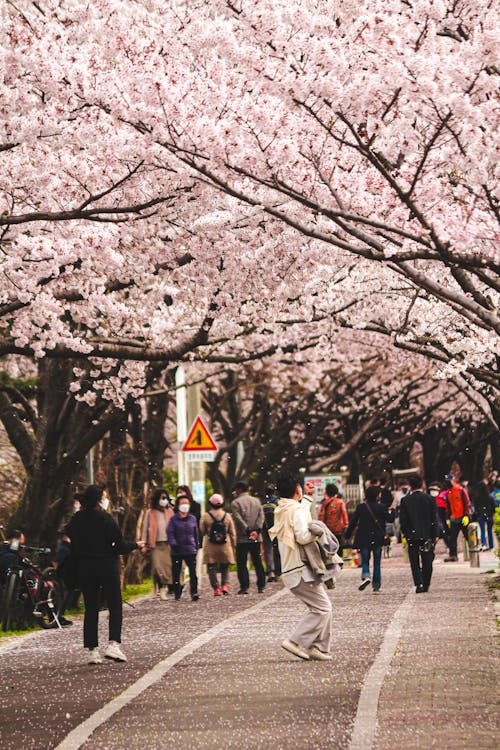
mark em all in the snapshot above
pixel 90 466
pixel 181 410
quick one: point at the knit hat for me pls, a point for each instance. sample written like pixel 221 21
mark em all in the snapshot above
pixel 216 500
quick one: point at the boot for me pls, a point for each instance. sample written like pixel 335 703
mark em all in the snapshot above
pixel 163 593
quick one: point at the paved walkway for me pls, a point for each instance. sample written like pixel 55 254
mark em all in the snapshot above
pixel 412 671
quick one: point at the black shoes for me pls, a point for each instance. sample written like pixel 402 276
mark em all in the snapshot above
pixel 243 591
pixel 421 589
pixel 195 597
pixel 261 590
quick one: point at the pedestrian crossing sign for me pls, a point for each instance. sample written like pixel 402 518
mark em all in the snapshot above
pixel 199 438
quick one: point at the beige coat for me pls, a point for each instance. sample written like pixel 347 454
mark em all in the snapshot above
pixel 218 553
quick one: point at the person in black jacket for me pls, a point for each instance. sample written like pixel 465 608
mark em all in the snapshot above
pixel 369 521
pixel 419 524
pixel 484 507
pixel 96 541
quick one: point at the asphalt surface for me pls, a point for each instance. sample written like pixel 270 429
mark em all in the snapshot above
pixel 232 686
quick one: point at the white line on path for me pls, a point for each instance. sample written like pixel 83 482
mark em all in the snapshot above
pixel 80 734
pixel 365 723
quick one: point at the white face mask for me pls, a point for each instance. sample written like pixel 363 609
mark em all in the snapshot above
pixel 163 502
pixel 184 508
pixel 105 503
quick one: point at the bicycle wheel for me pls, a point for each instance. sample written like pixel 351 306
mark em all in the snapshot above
pixel 10 602
pixel 48 609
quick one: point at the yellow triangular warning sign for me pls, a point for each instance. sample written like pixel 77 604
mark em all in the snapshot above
pixel 199 438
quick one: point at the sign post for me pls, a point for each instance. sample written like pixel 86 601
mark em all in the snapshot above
pixel 199 444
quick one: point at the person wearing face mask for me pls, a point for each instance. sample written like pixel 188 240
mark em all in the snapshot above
pixel 184 539
pixel 154 535
pixel 184 492
pixel 97 542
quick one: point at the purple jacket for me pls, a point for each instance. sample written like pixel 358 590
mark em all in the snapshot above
pixel 183 535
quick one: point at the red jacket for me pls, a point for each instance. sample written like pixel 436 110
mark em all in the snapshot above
pixel 334 515
pixel 458 502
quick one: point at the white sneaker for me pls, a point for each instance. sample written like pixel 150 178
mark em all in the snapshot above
pixel 94 656
pixel 114 652
pixel 294 649
pixel 315 653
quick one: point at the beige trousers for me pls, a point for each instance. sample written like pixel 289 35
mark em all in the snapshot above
pixel 315 628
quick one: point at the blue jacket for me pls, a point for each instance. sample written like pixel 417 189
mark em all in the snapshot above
pixel 183 535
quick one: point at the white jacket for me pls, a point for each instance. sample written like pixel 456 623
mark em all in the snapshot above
pixel 293 569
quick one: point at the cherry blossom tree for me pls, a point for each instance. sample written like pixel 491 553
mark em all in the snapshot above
pixel 221 181
pixel 362 134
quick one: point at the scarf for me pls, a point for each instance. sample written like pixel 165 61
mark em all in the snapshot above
pixel 283 522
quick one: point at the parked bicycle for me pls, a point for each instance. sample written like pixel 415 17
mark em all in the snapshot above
pixel 30 592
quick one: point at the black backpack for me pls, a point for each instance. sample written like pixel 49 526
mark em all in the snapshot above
pixel 218 530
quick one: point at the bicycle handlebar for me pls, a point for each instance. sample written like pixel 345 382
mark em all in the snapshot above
pixel 41 550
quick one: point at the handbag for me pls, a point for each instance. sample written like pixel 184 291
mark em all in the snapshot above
pixel 386 541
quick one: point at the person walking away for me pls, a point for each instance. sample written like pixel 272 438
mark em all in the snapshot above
pixel 311 638
pixel 443 510
pixel 369 522
pixel 459 511
pixel 154 536
pixel 248 517
pixel 218 533
pixel 419 524
pixel 184 539
pixel 271 552
pixel 97 542
pixel 484 507
pixel 333 513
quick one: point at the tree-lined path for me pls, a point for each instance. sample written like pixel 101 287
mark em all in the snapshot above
pixel 212 674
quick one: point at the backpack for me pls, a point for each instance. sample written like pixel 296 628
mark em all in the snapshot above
pixel 218 530
pixel 333 517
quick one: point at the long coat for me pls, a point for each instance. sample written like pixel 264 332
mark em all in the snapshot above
pixel 218 553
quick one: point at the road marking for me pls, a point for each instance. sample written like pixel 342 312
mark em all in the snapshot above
pixel 80 734
pixel 365 722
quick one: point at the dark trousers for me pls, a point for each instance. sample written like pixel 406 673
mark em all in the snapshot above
pixel 242 550
pixel 271 554
pixel 421 560
pixel 94 575
pixel 455 528
pixel 443 526
pixel 190 561
pixel 212 574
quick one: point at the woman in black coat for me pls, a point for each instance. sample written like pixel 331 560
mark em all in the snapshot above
pixel 369 521
pixel 96 543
